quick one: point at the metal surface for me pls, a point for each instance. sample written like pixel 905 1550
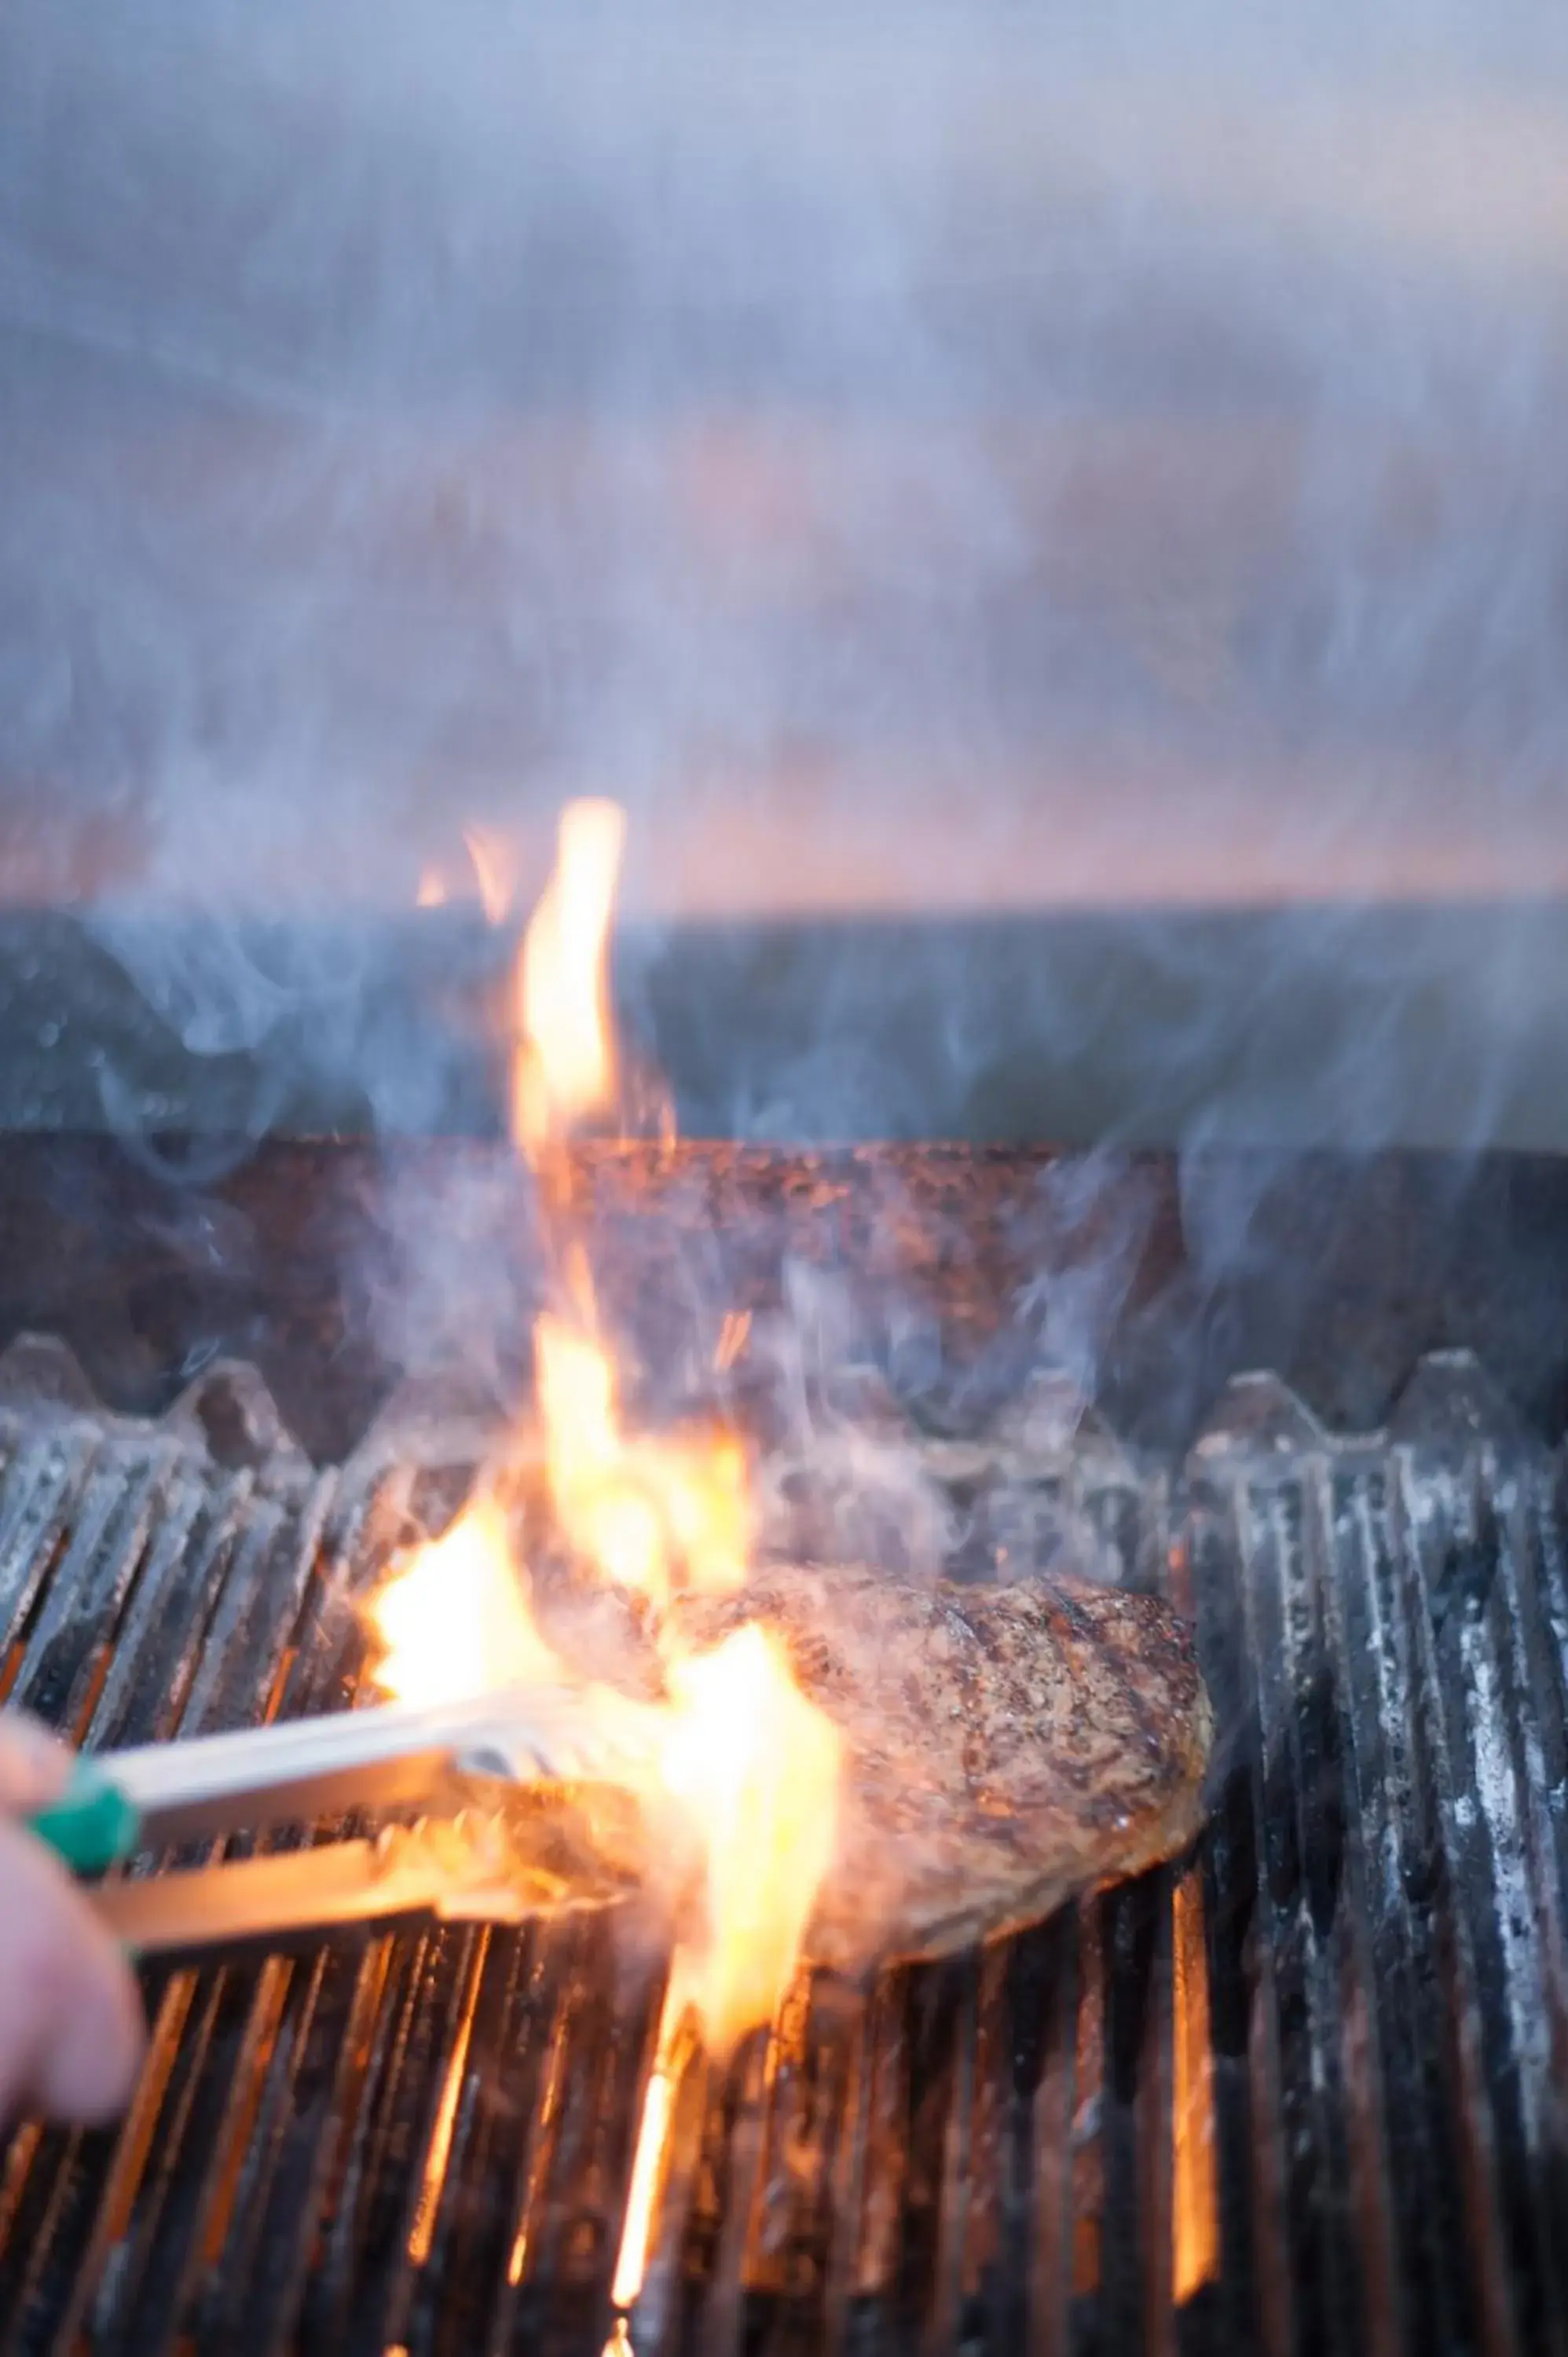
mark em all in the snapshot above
pixel 405 1872
pixel 1307 2094
pixel 386 1756
pixel 341 1267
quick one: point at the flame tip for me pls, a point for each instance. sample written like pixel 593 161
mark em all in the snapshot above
pixel 751 1764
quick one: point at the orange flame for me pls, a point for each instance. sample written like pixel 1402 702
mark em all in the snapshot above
pixel 642 2194
pixel 749 1768
pixel 566 1066
pixel 755 1766
pixel 454 1622
pixel 432 892
pixel 749 1765
pixel 650 1514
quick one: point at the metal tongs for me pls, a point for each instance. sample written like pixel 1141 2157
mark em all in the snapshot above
pixel 440 1760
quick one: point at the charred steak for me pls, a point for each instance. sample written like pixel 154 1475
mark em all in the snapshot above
pixel 1004 1747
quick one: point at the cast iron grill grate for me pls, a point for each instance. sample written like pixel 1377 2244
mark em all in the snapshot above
pixel 1305 2092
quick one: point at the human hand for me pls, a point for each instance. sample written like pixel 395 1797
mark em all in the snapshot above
pixel 70 2019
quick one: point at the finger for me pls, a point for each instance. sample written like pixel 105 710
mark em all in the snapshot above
pixel 70 2018
pixel 35 1766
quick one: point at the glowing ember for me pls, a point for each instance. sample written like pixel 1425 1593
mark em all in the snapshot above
pixel 566 1067
pixel 1195 2221
pixel 646 2169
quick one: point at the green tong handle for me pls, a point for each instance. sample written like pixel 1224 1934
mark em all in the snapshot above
pixel 92 1825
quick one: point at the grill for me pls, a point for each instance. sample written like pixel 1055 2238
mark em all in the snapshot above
pixel 1304 2091
pixel 1044 529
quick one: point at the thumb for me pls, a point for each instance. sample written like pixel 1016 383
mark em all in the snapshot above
pixel 35 1766
pixel 71 2020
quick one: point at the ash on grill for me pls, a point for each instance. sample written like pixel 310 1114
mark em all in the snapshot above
pixel 1305 2093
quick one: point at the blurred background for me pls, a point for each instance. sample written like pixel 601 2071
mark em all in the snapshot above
pixel 1057 529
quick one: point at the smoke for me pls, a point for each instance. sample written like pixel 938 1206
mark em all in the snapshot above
pixel 1135 436
pixel 925 463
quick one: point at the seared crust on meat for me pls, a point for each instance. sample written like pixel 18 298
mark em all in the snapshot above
pixel 1006 1747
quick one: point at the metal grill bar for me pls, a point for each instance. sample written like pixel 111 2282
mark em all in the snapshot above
pixel 1391 1874
pixel 422 2136
pixel 1463 1534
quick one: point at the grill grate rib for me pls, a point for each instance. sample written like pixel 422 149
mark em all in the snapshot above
pixel 421 2136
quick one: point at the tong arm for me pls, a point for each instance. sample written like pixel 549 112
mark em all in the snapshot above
pixel 388 1755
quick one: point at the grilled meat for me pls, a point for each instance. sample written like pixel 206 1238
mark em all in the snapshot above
pixel 1004 1747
